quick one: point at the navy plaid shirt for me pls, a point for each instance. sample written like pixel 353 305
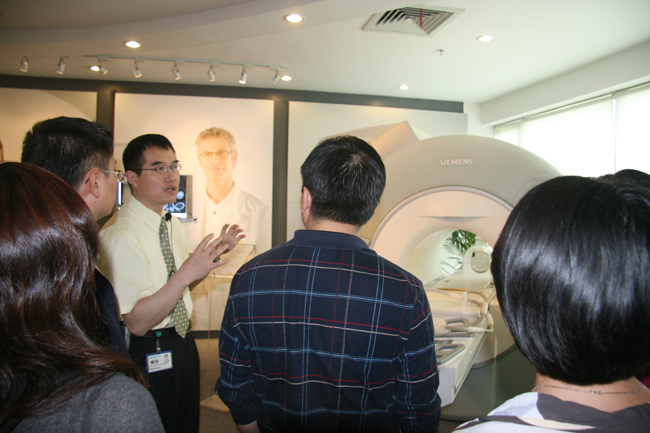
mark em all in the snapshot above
pixel 323 335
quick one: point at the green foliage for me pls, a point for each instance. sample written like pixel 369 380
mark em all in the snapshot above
pixel 462 240
pixel 455 247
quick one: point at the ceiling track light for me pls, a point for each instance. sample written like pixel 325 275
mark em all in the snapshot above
pixel 276 68
pixel 176 72
pixel 276 77
pixel 61 68
pixel 24 64
pixel 102 69
pixel 243 76
pixel 136 69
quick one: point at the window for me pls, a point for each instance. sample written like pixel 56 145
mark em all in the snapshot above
pixel 592 138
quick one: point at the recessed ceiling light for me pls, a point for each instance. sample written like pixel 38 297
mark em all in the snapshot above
pixel 94 68
pixel 403 87
pixel 132 44
pixel 293 18
pixel 286 78
pixel 485 38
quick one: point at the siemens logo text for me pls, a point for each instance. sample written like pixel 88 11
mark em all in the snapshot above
pixel 458 161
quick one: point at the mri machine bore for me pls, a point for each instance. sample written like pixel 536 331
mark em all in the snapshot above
pixel 434 187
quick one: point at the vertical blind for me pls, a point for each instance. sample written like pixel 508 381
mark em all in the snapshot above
pixel 633 130
pixel 592 138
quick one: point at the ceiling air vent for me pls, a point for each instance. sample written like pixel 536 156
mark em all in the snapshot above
pixel 413 20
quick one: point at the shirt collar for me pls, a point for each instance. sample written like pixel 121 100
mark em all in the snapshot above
pixel 323 239
pixel 150 217
pixel 226 200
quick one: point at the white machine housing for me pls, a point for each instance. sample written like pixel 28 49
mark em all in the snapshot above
pixel 438 185
pixel 448 183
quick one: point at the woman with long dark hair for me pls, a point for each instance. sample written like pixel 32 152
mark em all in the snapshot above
pixel 56 371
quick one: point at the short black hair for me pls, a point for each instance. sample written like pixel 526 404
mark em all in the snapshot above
pixel 68 147
pixel 346 178
pixel 133 156
pixel 572 274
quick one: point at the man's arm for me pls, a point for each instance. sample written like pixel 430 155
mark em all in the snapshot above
pixel 151 310
pixel 249 428
pixel 235 386
pixel 416 401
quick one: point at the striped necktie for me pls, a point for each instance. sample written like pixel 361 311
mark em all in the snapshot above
pixel 179 315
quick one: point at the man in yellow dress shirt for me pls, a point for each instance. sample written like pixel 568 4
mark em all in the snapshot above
pixel 132 259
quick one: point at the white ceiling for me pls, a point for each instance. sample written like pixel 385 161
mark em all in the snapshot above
pixel 533 40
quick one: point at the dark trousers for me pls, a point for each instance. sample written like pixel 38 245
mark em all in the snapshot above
pixel 176 391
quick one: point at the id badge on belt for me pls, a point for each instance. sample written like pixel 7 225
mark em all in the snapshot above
pixel 159 361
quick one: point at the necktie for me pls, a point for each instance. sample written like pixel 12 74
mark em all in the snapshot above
pixel 179 315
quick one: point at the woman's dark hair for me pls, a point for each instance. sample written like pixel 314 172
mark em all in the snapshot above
pixel 52 342
pixel 133 156
pixel 572 275
pixel 346 178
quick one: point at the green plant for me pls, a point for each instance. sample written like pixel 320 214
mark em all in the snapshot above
pixel 462 240
pixel 455 247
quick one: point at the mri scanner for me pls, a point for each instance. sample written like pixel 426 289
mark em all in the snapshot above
pixel 434 187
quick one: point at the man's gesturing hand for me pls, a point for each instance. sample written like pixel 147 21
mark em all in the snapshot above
pixel 200 262
pixel 231 236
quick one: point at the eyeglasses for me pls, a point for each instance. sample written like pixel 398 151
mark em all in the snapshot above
pixel 162 169
pixel 222 154
pixel 118 174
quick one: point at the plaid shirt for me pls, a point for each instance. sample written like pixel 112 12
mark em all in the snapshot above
pixel 322 334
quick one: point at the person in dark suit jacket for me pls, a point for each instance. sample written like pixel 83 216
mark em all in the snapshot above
pixel 81 153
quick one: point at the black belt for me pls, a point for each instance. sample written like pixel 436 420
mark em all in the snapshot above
pixel 161 333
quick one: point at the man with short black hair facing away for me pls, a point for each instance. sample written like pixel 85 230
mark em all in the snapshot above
pixel 321 334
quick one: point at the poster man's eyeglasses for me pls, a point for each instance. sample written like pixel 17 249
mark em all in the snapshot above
pixel 222 154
